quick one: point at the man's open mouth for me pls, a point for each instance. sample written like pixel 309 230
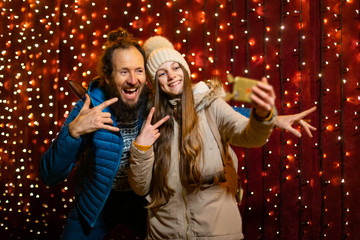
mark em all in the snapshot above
pixel 130 91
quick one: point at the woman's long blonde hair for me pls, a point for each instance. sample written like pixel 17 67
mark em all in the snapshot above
pixel 190 144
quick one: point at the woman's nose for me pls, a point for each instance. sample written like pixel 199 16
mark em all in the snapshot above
pixel 171 74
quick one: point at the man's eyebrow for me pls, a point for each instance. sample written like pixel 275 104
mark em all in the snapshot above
pixel 123 68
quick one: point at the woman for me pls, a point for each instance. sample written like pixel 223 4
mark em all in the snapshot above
pixel 175 161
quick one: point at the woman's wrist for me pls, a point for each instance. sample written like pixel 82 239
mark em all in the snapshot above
pixel 268 117
pixel 141 147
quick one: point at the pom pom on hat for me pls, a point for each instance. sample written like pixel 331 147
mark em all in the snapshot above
pixel 156 42
pixel 159 50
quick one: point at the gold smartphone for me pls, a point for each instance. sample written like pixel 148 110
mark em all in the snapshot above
pixel 241 88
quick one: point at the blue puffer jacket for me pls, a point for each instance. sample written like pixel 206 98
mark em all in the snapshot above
pixel 61 158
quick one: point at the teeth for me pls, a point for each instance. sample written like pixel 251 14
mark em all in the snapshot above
pixel 174 83
pixel 130 91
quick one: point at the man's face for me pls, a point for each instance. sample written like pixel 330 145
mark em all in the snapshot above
pixel 128 74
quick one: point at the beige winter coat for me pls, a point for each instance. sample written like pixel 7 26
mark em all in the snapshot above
pixel 211 213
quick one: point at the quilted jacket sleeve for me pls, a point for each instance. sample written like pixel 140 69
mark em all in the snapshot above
pixel 141 165
pixel 239 130
pixel 243 111
pixel 57 162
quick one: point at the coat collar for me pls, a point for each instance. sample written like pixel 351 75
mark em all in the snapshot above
pixel 205 92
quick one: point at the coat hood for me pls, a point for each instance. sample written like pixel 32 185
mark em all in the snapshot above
pixel 205 92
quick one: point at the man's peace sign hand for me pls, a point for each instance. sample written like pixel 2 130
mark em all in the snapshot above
pixel 91 119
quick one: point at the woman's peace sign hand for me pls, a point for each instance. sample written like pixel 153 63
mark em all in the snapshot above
pixel 150 133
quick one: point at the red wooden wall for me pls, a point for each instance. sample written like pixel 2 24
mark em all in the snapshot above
pixel 306 188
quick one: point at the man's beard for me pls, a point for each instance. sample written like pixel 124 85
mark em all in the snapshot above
pixel 125 113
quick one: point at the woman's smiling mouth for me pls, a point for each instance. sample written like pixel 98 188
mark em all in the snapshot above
pixel 175 83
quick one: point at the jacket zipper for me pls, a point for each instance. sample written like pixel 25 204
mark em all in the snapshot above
pixel 186 213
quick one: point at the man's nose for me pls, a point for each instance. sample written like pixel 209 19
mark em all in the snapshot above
pixel 132 78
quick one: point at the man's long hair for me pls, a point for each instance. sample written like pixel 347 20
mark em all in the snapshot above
pixel 190 144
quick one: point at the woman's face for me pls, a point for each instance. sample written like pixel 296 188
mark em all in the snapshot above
pixel 171 78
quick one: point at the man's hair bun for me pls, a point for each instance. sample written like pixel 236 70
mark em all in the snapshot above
pixel 117 34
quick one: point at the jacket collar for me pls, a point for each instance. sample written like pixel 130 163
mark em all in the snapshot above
pixel 206 92
pixel 96 94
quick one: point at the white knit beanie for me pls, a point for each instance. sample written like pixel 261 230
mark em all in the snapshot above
pixel 159 50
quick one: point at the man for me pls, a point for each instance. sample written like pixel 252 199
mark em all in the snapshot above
pixel 96 138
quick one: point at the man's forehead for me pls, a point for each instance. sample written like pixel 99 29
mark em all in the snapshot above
pixel 128 51
pixel 128 58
